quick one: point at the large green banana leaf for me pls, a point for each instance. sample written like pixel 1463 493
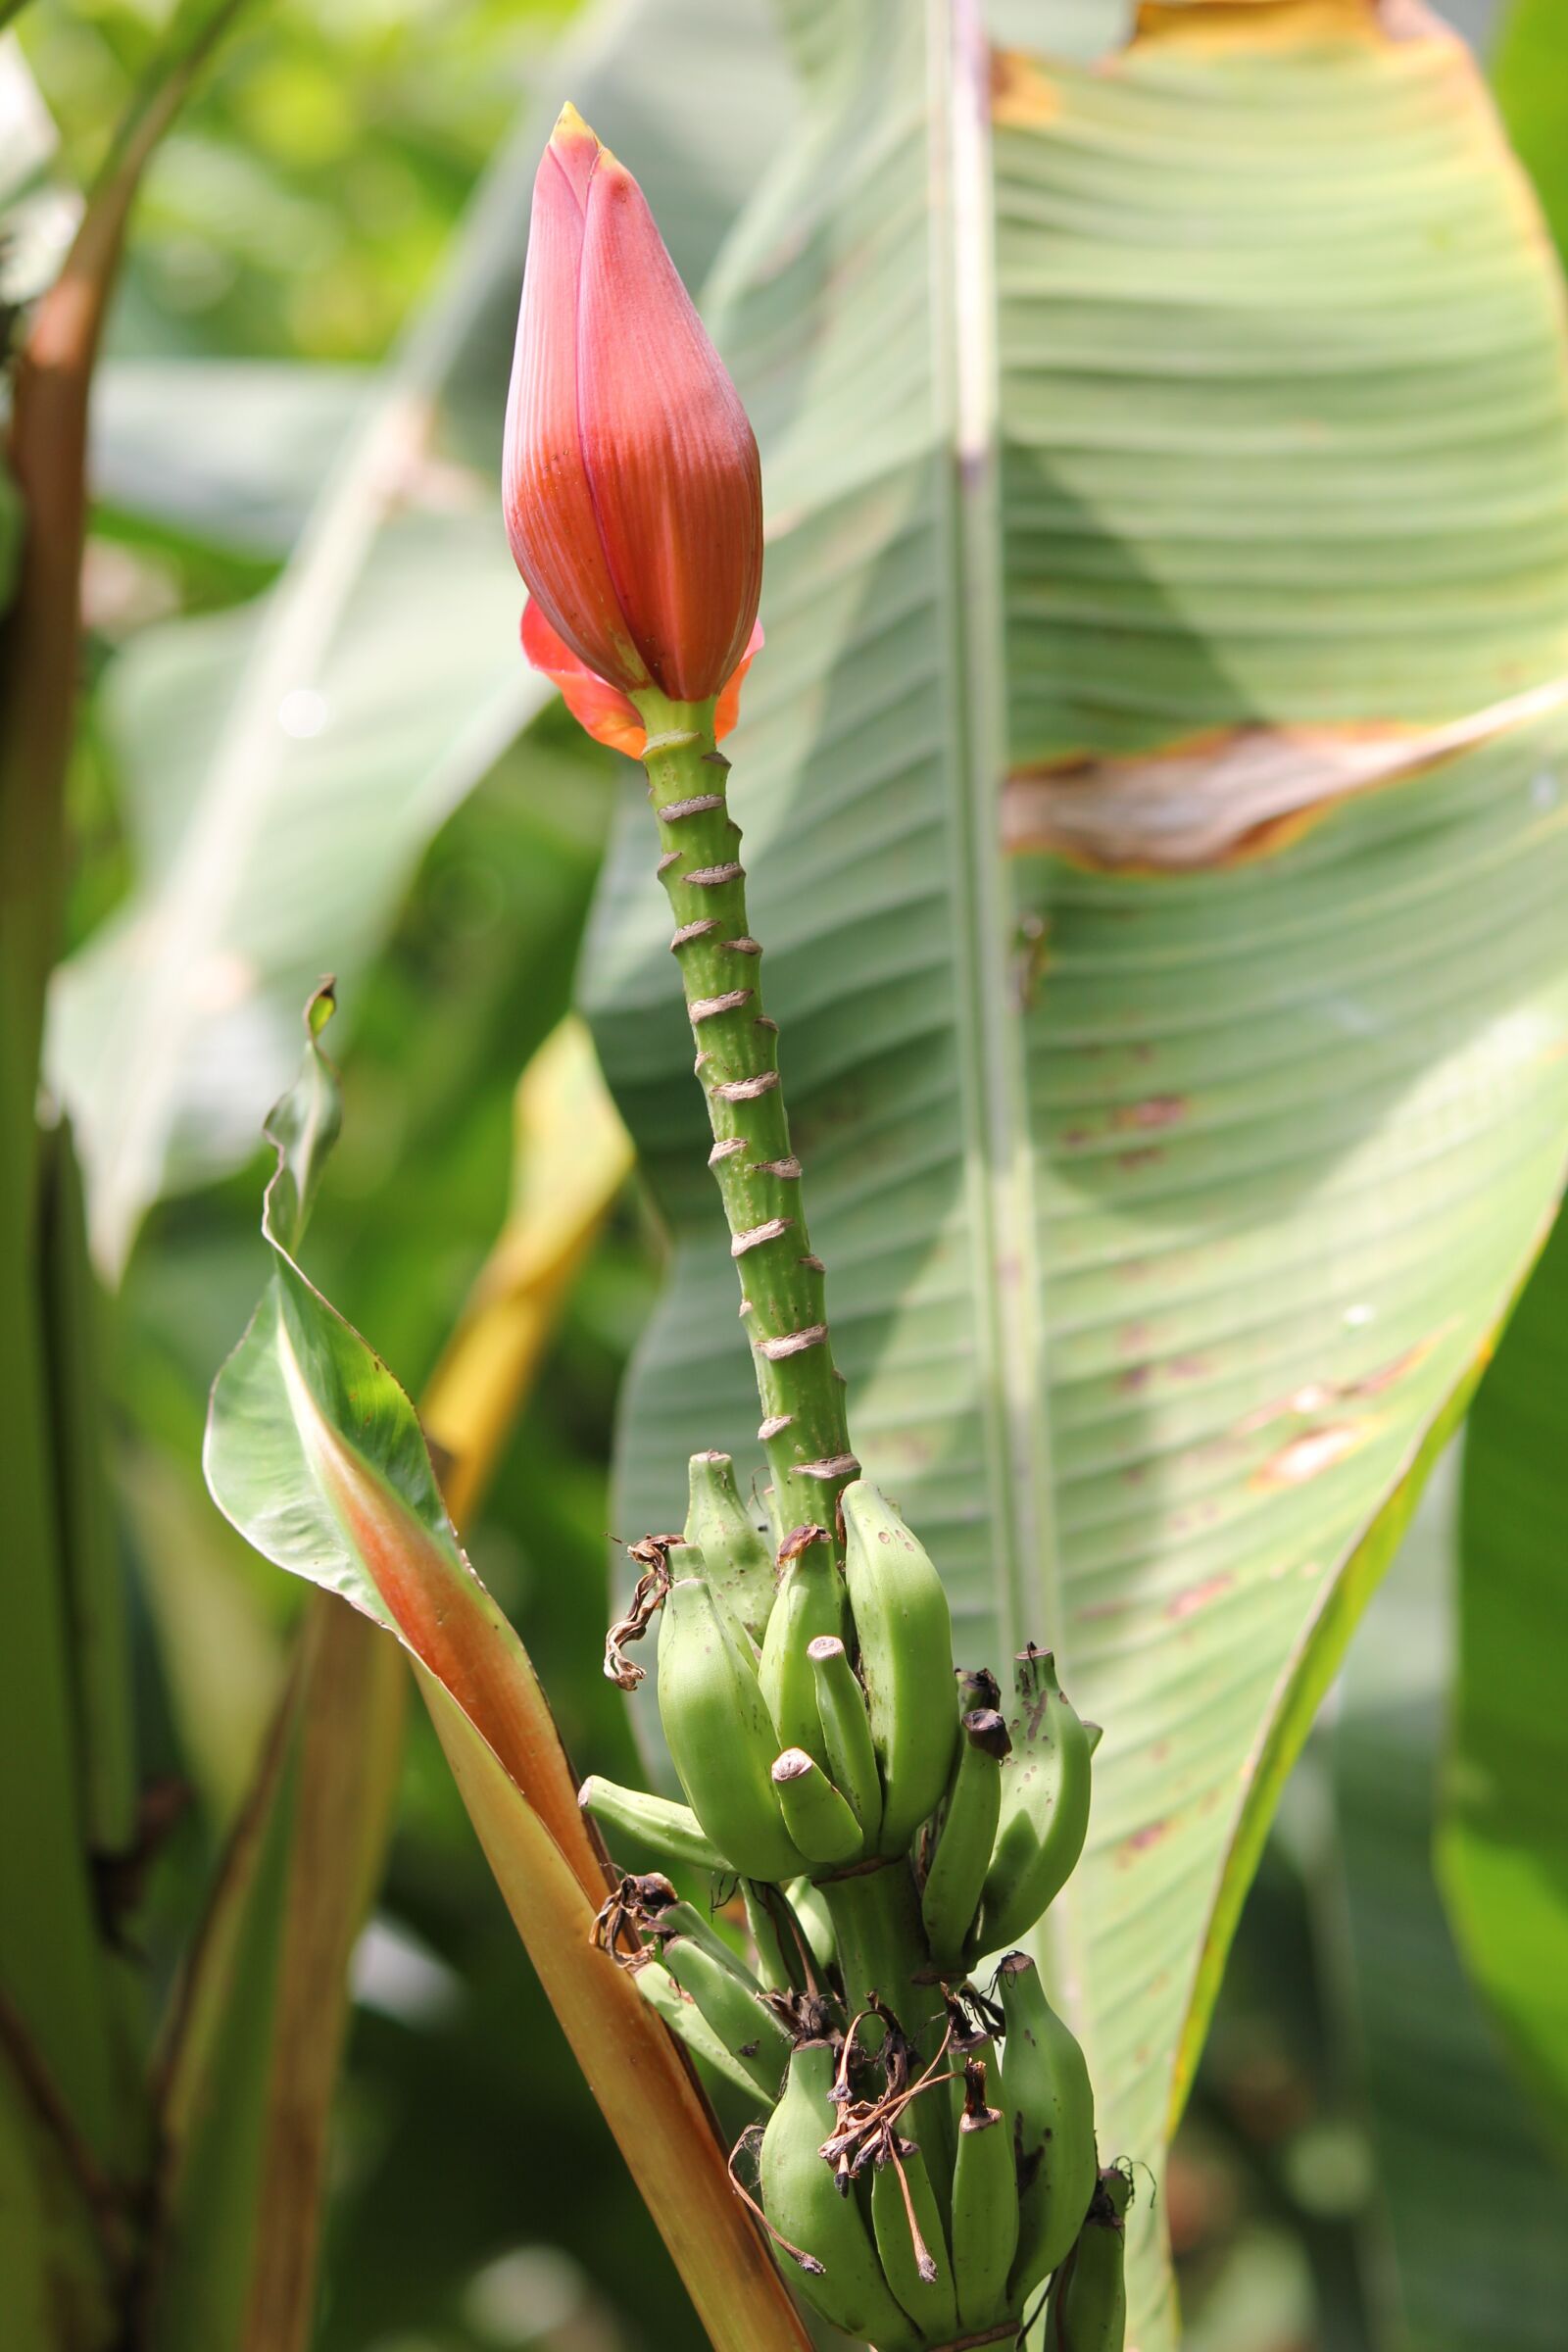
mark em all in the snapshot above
pixel 1154 802
pixel 1503 1840
pixel 285 764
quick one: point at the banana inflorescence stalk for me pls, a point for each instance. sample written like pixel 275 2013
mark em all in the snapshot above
pixel 927 2160
pixel 872 1822
pixel 804 1433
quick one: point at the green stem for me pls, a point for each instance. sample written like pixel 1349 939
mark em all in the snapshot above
pixel 882 1949
pixel 803 1430
pixel 881 1943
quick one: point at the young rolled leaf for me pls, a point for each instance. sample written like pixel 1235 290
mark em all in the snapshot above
pixel 1158 820
pixel 316 1454
pixel 248 2069
pixel 73 2118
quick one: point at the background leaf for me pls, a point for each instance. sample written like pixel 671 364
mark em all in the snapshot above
pixel 1479 2212
pixel 231 452
pixel 248 2079
pixel 1530 72
pixel 287 764
pixel 1167 1210
pixel 1504 1846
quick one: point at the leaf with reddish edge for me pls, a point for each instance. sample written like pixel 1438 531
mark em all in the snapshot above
pixel 316 1454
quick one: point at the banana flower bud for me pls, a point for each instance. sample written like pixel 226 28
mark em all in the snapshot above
pixel 631 482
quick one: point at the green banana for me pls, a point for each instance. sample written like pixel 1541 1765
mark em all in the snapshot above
pixel 816 1817
pixel 1046 2087
pixel 904 1633
pixel 810 1601
pixel 846 1732
pixel 924 2289
pixel 1044 1807
pixel 752 2034
pixel 669 1829
pixel 985 2206
pixel 685 2020
pixel 719 1734
pixel 740 1562
pixel 802 2202
pixel 955 1874
pixel 677 1918
pixel 1088 2307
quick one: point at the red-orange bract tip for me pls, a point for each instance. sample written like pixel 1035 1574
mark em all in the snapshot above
pixel 631 485
pixel 609 715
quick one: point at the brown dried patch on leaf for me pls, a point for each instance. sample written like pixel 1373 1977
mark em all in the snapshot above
pixel 1198 1596
pixel 1311 1454
pixel 1254 25
pixel 1152 1833
pixel 1316 1396
pixel 1224 798
pixel 1023 95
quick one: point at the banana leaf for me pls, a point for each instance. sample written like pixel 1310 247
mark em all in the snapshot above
pixel 74 2123
pixel 1503 1831
pixel 253 2049
pixel 285 763
pixel 1154 801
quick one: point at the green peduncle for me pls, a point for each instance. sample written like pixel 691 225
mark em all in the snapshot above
pixel 804 1431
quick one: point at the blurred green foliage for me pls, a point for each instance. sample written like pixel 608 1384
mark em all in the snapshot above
pixel 305 199
pixel 298 213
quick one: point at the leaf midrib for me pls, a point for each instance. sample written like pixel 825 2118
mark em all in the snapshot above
pixel 1003 1221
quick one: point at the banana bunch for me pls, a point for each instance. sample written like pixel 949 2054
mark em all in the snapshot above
pixel 906 2240
pixel 928 2160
